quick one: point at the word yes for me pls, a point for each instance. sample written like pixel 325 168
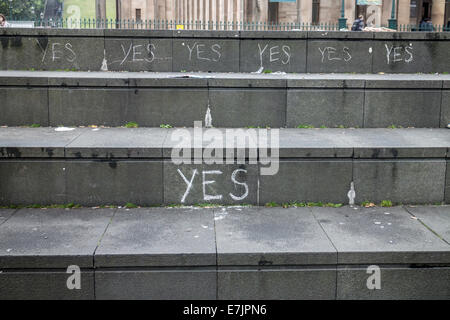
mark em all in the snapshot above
pixel 208 197
pixel 58 51
pixel 399 54
pixel 330 54
pixel 135 53
pixel 202 53
pixel 275 54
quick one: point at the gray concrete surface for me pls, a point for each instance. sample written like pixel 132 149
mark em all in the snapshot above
pixel 95 166
pixel 224 51
pixel 235 100
pixel 226 253
pixel 380 236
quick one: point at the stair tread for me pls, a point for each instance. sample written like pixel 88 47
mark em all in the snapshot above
pixel 19 142
pixel 224 236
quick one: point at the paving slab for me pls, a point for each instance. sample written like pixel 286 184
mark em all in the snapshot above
pixel 252 107
pixel 307 181
pixel 315 143
pixel 258 236
pixel 409 181
pixel 153 107
pixel 17 109
pixel 117 143
pixel 158 237
pixel 397 283
pixel 52 238
pixel 5 214
pixel 420 109
pixel 35 142
pixel 447 181
pixel 400 143
pixel 88 106
pixel 276 283
pixel 445 109
pixel 380 236
pixel 164 284
pixel 325 107
pixel 437 218
pixel 114 182
pixel 44 285
pixel 27 182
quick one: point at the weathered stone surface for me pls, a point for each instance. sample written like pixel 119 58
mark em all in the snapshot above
pixel 5 214
pixel 437 218
pixel 307 181
pixel 339 56
pixel 138 54
pixel 243 108
pixel 402 108
pixel 214 55
pixel 44 285
pixel 35 142
pixel 113 181
pixel 400 143
pixel 308 143
pixel 410 56
pixel 397 283
pixel 380 236
pixel 117 143
pixel 32 182
pixel 197 284
pixel 273 55
pixel 445 109
pixel 401 181
pixel 76 107
pixel 447 184
pixel 17 109
pixel 153 107
pixel 276 283
pixel 270 237
pixel 52 238
pixel 211 183
pixel 328 107
pixel 158 237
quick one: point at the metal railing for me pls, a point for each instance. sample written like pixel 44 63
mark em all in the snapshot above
pixel 207 25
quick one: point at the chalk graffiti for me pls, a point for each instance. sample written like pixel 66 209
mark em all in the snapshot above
pixel 399 53
pixel 208 180
pixel 331 53
pixel 275 53
pixel 57 51
pixel 203 52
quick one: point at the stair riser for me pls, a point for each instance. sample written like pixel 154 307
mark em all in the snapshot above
pixel 155 182
pixel 247 51
pixel 275 107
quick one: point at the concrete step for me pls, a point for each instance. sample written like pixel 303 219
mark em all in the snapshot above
pixel 234 100
pixel 226 253
pixel 224 51
pixel 153 166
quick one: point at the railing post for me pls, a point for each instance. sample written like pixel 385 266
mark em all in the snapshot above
pixel 393 21
pixel 342 19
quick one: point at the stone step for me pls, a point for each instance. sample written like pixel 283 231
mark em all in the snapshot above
pixel 224 51
pixel 226 253
pixel 234 100
pixel 154 166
